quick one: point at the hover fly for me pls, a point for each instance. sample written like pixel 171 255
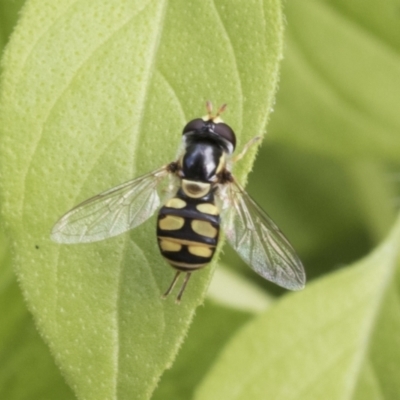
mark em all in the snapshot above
pixel 202 194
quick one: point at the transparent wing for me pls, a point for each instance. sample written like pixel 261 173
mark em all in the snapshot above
pixel 111 212
pixel 259 242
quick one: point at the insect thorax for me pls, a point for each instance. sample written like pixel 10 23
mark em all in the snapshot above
pixel 202 160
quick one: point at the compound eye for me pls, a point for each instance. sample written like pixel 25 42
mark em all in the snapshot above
pixel 226 132
pixel 194 125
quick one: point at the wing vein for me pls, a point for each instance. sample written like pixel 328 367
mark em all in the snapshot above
pixel 259 242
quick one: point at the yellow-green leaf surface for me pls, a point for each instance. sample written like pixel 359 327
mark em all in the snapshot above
pixel 336 340
pixel 94 94
pixel 231 302
pixel 213 325
pixel 232 290
pixel 27 370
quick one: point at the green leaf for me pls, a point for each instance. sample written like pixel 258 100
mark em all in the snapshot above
pixel 327 174
pixel 379 18
pixel 335 340
pixel 332 211
pixel 212 326
pixel 232 290
pixel 338 94
pixel 9 10
pixel 93 95
pixel 27 370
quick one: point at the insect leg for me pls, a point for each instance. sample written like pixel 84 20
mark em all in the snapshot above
pixel 171 286
pixel 178 299
pixel 246 148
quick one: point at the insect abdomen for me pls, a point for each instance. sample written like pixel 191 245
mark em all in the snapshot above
pixel 188 231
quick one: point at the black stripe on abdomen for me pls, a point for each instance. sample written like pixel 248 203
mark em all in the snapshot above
pixel 187 237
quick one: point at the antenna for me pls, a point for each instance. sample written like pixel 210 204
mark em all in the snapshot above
pixel 215 118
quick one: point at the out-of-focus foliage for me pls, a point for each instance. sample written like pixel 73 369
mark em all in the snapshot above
pixel 328 173
pixel 336 340
pixel 329 169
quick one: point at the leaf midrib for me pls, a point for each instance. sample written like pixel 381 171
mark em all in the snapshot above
pixel 147 83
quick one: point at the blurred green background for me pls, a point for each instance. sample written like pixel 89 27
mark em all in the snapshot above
pixel 327 173
pixel 328 170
